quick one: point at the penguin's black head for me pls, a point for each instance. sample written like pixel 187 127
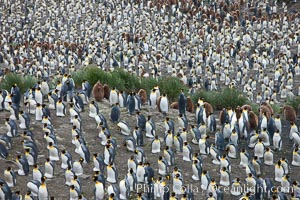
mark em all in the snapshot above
pixel 72 187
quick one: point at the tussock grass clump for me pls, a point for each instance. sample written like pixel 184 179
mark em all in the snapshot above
pixel 228 97
pixel 171 86
pixel 23 82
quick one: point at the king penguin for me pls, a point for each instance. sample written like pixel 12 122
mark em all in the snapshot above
pixel 268 156
pixel 197 170
pixel 163 104
pixel 24 120
pixel 296 157
pixel 53 152
pixel 224 177
pixel 23 166
pixel 259 148
pixel 112 174
pixel 155 145
pixel 163 168
pixel 205 180
pixel 130 103
pixel 115 113
pixel 43 190
pixel 99 189
pixel 12 128
pixel 215 154
pixel 279 171
pixel 10 177
pixel 277 141
pixel 49 168
pixel 150 128
pixel 93 109
pixel 182 103
pixel 187 152
pixel 37 173
pixel 66 159
pixel 60 108
pixel 236 187
pixel 124 128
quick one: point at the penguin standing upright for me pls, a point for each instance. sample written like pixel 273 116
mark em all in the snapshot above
pixel 259 148
pixel 49 168
pixel 150 128
pixel 69 175
pixel 225 177
pixel 163 104
pixel 112 174
pixel 162 166
pixel 77 167
pixel 43 190
pixel 24 120
pixel 74 193
pixel 169 155
pixel 12 128
pixel 236 187
pixel 296 157
pixel 279 171
pixel 204 146
pixel 113 96
pixel 115 113
pixel 197 170
pixel 10 177
pixel 182 103
pixel 93 109
pixel 277 141
pixel 16 94
pixel 138 136
pixel 215 153
pixel 99 190
pixel 268 156
pixel 187 152
pixel 153 99
pixel 122 99
pixel 60 108
pixel 23 166
pixel 140 173
pixel 53 152
pixel 130 103
pixel 37 173
pixel 141 121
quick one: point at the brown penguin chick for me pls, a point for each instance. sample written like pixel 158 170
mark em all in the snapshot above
pixel 238 112
pixel 208 108
pixel 106 91
pixel 98 91
pixel 289 113
pixel 143 94
pixel 174 105
pixel 248 107
pixel 190 105
pixel 269 107
pixel 265 110
pixel 253 120
pixel 222 117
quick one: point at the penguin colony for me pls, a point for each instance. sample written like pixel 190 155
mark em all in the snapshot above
pixel 253 46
